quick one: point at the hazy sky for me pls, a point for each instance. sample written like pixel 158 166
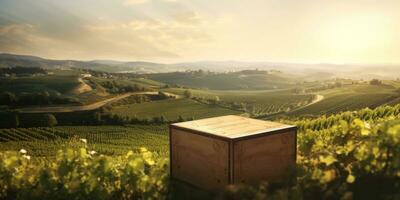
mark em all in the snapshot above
pixel 336 31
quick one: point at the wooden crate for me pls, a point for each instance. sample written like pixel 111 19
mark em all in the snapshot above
pixel 214 152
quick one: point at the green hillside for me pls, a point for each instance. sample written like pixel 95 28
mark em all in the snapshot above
pixel 351 97
pixel 255 102
pixel 61 84
pixel 171 109
pixel 251 79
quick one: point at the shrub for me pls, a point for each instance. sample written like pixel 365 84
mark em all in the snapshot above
pixel 50 120
pixel 80 174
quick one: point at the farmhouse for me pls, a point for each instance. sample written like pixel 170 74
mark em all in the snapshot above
pixel 87 75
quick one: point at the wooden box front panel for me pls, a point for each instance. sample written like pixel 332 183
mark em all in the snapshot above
pixel 198 159
pixel 264 158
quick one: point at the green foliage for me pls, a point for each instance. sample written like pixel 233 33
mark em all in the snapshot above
pixel 37 84
pixel 323 122
pixel 350 98
pixel 352 159
pixel 187 94
pixel 256 103
pixel 39 98
pixel 22 71
pixel 352 155
pixel 51 120
pixel 108 140
pixel 248 79
pixel 81 174
pixel 171 109
pixel 117 86
pixel 349 159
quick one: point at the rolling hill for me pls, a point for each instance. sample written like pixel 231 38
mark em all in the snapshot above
pixel 249 79
pixel 315 71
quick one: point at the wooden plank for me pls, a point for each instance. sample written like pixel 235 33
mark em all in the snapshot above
pixel 199 160
pixel 232 126
pixel 263 158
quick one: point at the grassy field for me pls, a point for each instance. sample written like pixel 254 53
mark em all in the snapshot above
pixel 351 97
pixel 171 109
pixel 110 140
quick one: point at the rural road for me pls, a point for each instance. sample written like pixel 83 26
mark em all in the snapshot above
pixel 316 100
pixel 62 109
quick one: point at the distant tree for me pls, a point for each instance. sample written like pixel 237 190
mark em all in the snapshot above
pixel 8 98
pixel 51 120
pixel 187 94
pixel 97 117
pixel 298 90
pixel 180 118
pixel 162 119
pixel 15 121
pixel 155 120
pixel 105 109
pixel 338 84
pixel 163 95
pixel 375 82
pixel 214 100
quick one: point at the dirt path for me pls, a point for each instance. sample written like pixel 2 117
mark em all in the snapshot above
pixel 316 100
pixel 61 109
pixel 83 87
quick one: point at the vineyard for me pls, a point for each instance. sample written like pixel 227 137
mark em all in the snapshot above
pixel 171 109
pixel 250 79
pixel 109 140
pixel 351 97
pixel 351 155
pixel 262 102
pixel 60 84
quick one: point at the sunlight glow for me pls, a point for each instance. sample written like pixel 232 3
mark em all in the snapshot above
pixel 360 34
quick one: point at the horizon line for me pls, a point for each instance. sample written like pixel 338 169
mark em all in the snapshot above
pixel 209 60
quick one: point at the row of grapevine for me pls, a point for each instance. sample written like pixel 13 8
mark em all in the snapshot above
pixel 323 122
pixel 356 160
pixel 352 155
pixel 109 140
pixel 80 174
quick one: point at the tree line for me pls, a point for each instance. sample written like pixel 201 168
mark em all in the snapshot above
pixel 30 99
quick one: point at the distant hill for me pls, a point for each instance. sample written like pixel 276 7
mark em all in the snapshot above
pixel 319 71
pixel 10 60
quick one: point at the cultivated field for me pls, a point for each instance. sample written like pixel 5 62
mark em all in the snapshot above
pixel 61 84
pixel 171 109
pixel 256 102
pixel 350 97
pixel 110 140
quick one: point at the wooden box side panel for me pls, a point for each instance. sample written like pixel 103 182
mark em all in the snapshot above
pixel 265 158
pixel 199 160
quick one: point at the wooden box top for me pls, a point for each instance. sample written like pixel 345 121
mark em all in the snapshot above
pixel 232 126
